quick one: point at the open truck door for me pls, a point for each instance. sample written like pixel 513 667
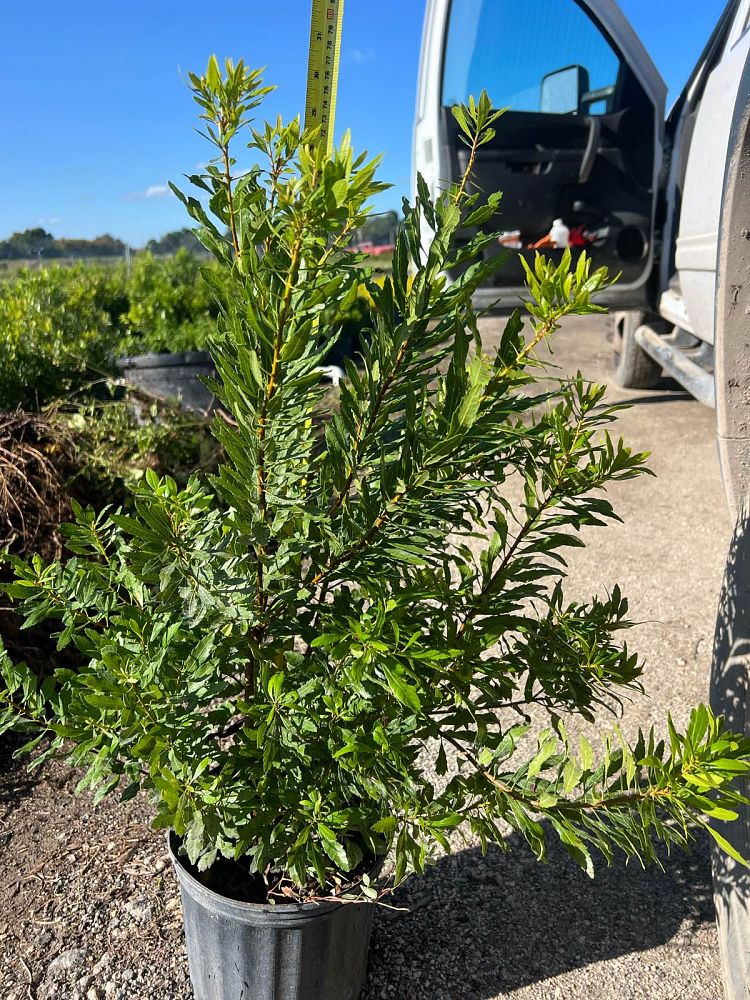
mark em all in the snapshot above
pixel 581 140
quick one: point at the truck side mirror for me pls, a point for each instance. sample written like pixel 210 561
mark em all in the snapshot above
pixel 563 90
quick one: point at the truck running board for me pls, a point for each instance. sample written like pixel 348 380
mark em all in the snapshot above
pixel 676 360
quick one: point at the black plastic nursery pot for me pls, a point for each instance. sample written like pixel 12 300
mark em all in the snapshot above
pixel 253 951
pixel 172 376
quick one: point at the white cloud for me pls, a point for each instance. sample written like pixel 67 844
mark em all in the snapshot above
pixel 359 56
pixel 158 191
pixel 51 220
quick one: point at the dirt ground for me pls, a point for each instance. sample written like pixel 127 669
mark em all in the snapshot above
pixel 89 907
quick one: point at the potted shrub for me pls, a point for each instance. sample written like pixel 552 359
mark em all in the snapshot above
pixel 281 655
pixel 171 312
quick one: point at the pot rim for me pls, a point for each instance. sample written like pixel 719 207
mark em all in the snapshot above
pixel 165 359
pixel 282 912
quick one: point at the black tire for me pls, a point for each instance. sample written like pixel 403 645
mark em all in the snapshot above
pixel 730 697
pixel 634 369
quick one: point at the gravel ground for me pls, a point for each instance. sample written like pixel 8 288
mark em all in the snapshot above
pixel 90 910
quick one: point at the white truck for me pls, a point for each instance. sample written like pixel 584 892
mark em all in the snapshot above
pixel 662 199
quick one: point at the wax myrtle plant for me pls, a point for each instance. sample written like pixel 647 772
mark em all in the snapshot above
pixel 327 651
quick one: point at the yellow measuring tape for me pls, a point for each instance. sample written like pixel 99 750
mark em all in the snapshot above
pixel 323 66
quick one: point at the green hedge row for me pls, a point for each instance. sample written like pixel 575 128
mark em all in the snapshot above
pixel 62 327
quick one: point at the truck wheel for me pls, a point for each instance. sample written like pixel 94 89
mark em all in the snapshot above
pixel 730 697
pixel 634 369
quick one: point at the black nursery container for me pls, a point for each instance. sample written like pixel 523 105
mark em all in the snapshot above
pixel 250 951
pixel 172 376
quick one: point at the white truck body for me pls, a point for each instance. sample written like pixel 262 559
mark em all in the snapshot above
pixel 663 229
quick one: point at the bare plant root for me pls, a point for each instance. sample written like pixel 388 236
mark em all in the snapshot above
pixel 35 456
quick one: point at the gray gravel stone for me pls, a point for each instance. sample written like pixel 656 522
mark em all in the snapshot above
pixel 139 909
pixel 67 962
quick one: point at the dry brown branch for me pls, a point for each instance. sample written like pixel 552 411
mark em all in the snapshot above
pixel 35 454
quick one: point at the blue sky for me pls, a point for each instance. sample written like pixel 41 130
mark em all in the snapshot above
pixel 96 115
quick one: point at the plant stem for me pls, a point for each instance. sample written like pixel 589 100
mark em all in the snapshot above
pixel 469 169
pixel 230 193
pixel 361 436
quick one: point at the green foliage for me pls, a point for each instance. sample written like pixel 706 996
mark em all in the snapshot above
pixel 171 307
pixel 170 243
pixel 54 328
pixel 286 653
pixel 118 440
pixel 34 242
pixel 61 328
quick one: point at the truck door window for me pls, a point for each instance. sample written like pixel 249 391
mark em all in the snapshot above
pixel 528 58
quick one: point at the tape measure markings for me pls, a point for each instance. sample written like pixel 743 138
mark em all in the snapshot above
pixel 323 67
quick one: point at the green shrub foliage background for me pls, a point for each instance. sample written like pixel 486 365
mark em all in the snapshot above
pixel 171 307
pixel 286 654
pixel 63 327
pixel 55 330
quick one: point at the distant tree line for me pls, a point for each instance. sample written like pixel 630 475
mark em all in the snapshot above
pixel 170 243
pixel 378 230
pixel 38 242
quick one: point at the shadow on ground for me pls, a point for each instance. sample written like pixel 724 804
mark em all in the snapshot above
pixel 480 927
pixel 669 395
pixel 16 782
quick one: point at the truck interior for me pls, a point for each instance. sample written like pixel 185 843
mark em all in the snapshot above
pixel 576 141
